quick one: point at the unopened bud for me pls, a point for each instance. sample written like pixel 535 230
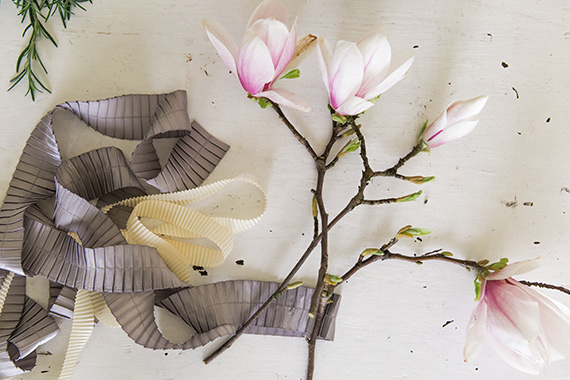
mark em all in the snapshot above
pixel 294 285
pixel 315 207
pixel 409 198
pixel 350 146
pixel 370 251
pixel 331 279
pixel 411 232
pixel 419 180
pixel 339 118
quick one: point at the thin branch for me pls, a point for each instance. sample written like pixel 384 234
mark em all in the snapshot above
pixel 315 333
pixel 394 169
pixel 546 286
pixel 363 153
pixel 294 131
pixel 387 255
pixel 379 201
pixel 324 239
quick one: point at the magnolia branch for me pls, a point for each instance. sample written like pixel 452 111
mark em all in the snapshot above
pixel 356 200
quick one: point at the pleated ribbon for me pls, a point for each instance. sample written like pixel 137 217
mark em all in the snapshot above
pixel 103 261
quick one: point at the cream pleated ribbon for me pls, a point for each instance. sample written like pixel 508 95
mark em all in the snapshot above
pixel 177 222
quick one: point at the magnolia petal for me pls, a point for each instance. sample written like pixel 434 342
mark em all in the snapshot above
pixel 377 54
pixel 254 64
pixel 476 331
pixel 269 9
pixel 324 54
pixel 285 98
pixel 287 51
pixel 463 110
pixel 303 49
pixel 513 318
pixel 516 268
pixel 353 106
pixel 452 133
pixel 274 34
pixel 554 335
pixel 400 65
pixel 523 360
pixel 555 321
pixel 436 127
pixel 345 72
pixel 223 43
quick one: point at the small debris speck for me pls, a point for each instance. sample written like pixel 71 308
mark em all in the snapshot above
pixel 197 267
pixel 44 371
pixel 530 204
pixel 548 120
pixel 416 46
pixel 511 204
pixel 519 133
pixel 504 64
pixel 565 189
pixel 536 242
pixel 419 238
pixel 166 354
pixel 203 273
pixel 447 323
pixel 239 262
pixel 516 92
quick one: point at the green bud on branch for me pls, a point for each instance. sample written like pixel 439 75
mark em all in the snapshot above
pixel 371 251
pixel 294 285
pixel 409 198
pixel 350 146
pixel 331 279
pixel 339 118
pixel 419 180
pixel 412 231
pixel 315 207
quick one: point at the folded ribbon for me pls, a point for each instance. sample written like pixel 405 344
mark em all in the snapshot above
pixel 100 255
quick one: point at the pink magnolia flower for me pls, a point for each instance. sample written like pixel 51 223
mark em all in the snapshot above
pixel 265 51
pixel 355 74
pixel 527 329
pixel 454 123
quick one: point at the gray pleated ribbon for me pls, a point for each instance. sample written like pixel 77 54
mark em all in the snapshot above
pixel 34 243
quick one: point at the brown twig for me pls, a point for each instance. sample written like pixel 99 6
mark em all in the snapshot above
pixel 379 201
pixel 323 300
pixel 546 286
pixel 394 169
pixel 294 131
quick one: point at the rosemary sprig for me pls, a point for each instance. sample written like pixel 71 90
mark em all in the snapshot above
pixel 38 12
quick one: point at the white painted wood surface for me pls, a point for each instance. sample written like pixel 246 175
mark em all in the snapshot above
pixel 391 318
